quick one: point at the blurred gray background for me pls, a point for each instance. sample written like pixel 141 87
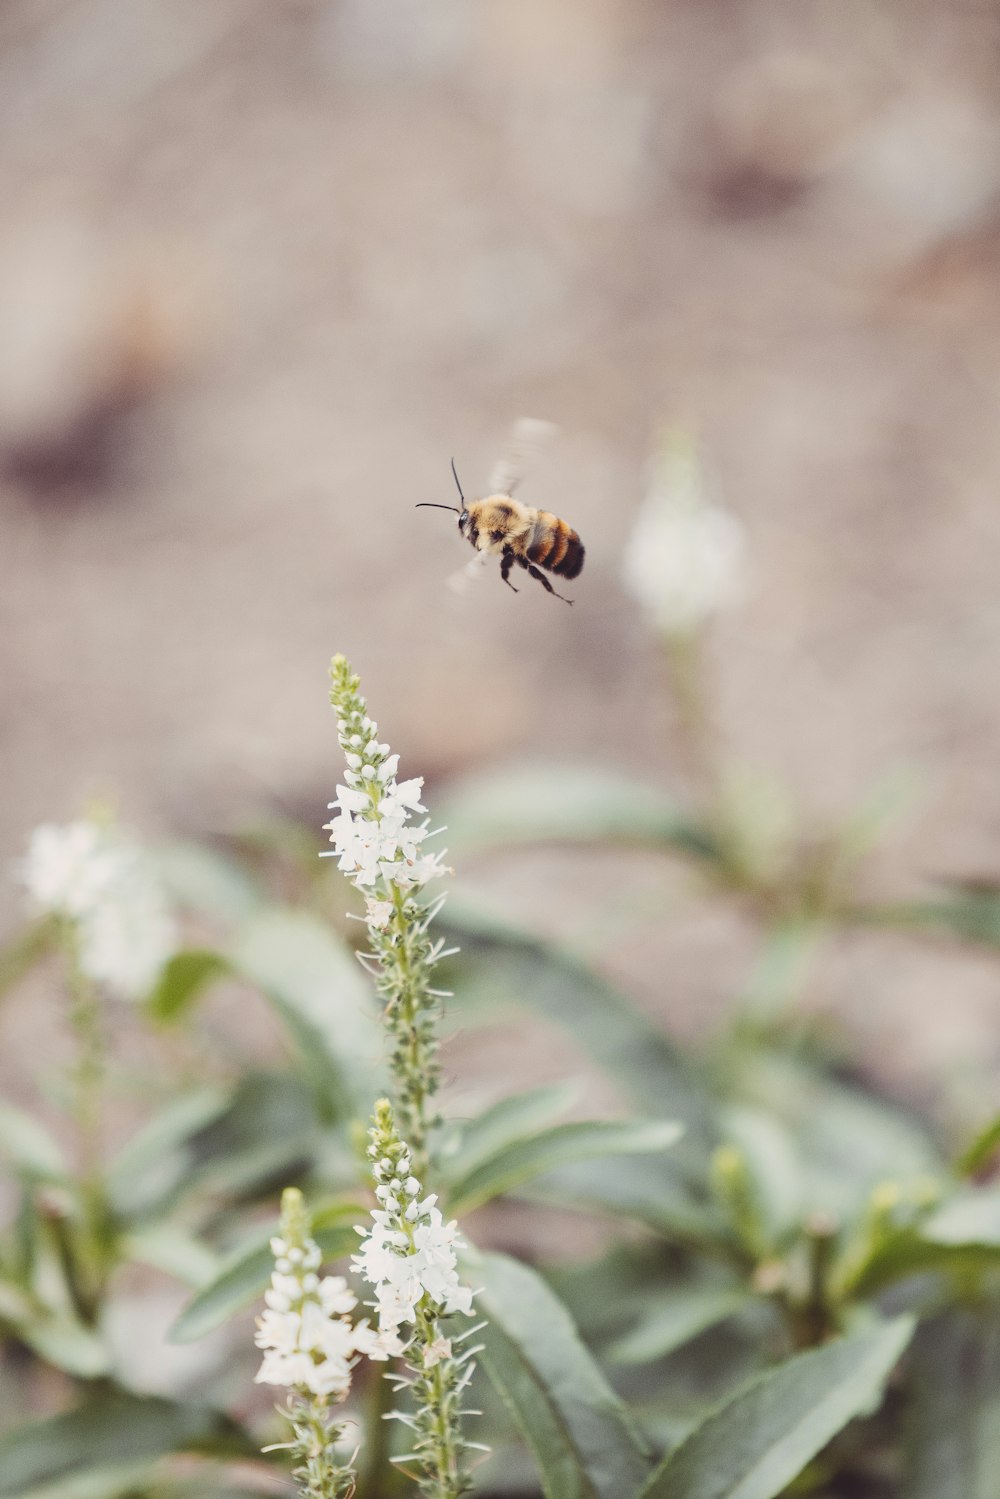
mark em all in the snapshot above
pixel 264 268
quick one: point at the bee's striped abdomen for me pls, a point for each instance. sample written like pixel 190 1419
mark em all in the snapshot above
pixel 558 546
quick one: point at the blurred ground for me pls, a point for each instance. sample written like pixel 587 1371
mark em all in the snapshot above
pixel 264 269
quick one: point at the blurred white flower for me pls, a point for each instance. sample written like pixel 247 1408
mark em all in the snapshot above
pixel 309 1342
pixel 684 559
pixel 93 874
pixel 68 869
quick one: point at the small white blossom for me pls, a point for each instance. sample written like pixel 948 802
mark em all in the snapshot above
pixel 379 912
pixel 684 557
pixel 439 1349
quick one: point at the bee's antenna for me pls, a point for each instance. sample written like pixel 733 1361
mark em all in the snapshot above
pixel 455 472
pixel 430 504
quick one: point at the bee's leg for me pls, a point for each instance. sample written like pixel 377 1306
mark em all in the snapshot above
pixel 544 582
pixel 505 566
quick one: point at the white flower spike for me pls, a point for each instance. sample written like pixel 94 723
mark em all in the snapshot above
pixel 310 1347
pixel 383 852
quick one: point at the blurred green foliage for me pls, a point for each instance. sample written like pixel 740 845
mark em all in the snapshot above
pixel 801 1287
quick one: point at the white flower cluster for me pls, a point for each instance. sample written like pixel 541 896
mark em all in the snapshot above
pixel 95 876
pixel 371 833
pixel 410 1252
pixel 309 1340
pixel 684 557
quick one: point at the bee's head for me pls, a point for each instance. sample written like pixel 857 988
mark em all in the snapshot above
pixel 463 514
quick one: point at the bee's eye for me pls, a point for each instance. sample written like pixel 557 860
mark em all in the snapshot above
pixel 497 535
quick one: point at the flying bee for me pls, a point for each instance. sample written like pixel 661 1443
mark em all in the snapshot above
pixel 500 526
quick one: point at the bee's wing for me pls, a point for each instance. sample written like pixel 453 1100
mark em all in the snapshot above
pixel 462 581
pixel 527 436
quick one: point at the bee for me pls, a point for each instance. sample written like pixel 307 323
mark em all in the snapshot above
pixel 519 535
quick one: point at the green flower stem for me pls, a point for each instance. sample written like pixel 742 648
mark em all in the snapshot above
pixel 317 1471
pixel 434 1390
pixel 402 955
pixel 87 1268
pixel 417 1072
pixel 88 1072
pixel 698 732
pixel 376 1475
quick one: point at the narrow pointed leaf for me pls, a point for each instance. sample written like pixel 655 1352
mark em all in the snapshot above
pixel 106 1481
pixel 205 880
pixel 56 1335
pixel 652 1190
pixel 242 1277
pixel 569 803
pixel 972 1216
pixel 319 990
pixel 23 951
pixel 981 1151
pixel 649 1069
pixel 469 1144
pixel 522 1160
pixel 761 1439
pixel 183 979
pixel 579 1432
pixel 159 1157
pixel 28 1146
pixel 114 1427
pixel 670 1321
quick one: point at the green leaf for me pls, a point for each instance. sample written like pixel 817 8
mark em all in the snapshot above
pixel 969 910
pixel 113 1427
pixel 578 1430
pixel 953 1426
pixel 205 880
pixel 28 1146
pixel 970 1217
pixel 467 1145
pixel 159 1158
pixel 781 970
pixel 673 1318
pixel 762 1438
pixel 773 1168
pixel 268 1131
pixel 653 1191
pixel 242 1277
pixel 187 974
pixel 55 1334
pixel 521 1160
pixel 563 990
pixel 568 803
pixel 23 951
pixel 107 1481
pixel 848 1139
pixel 320 992
pixel 170 1248
pixel 981 1151
pixel 67 1344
